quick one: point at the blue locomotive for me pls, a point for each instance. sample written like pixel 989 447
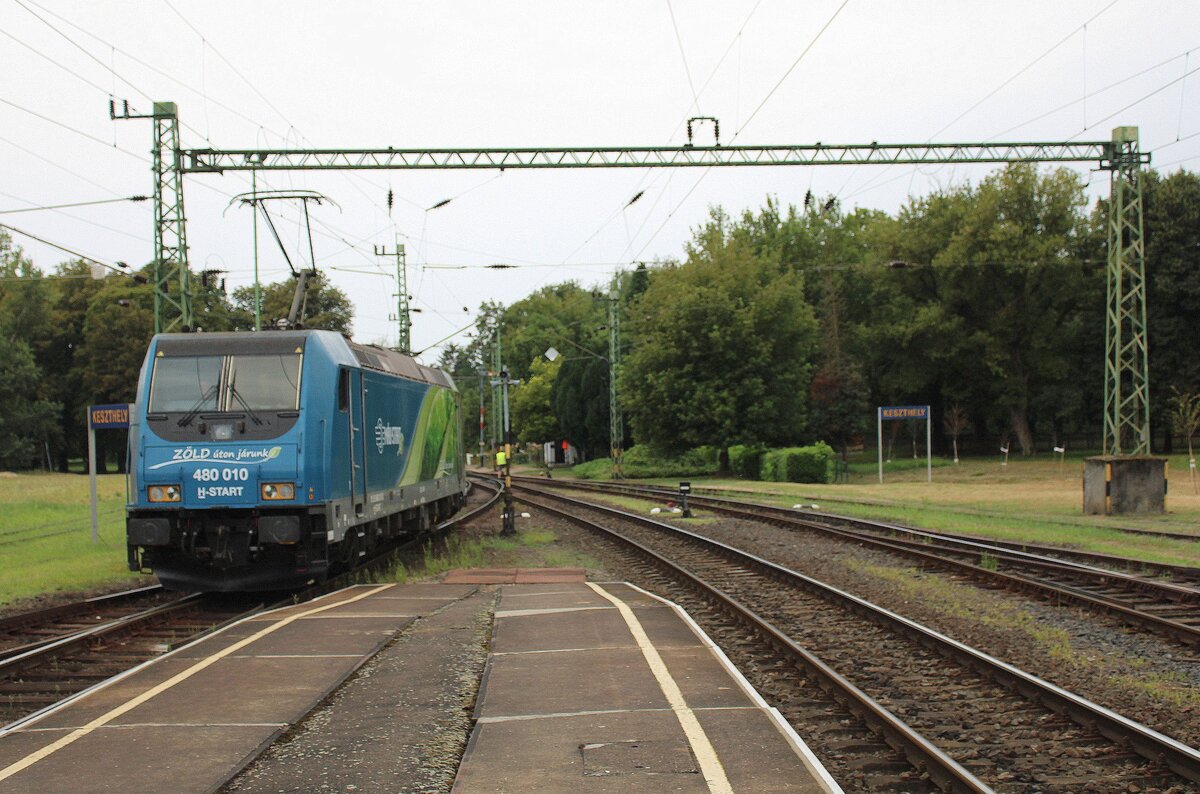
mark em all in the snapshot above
pixel 262 461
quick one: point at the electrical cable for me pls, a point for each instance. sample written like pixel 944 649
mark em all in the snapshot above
pixel 88 221
pixel 291 126
pixel 683 56
pixel 791 68
pixel 74 204
pixel 870 186
pixel 749 118
pixel 89 136
pixel 883 172
pixel 66 69
pixel 646 173
pixel 1023 69
pixel 1158 90
pixel 228 63
pixel 144 64
pixel 80 47
pixel 63 168
pixel 1093 94
pixel 115 268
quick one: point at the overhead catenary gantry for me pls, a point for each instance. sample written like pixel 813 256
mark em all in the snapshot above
pixel 1126 394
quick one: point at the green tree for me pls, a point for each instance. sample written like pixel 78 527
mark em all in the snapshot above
pixel 554 316
pixel 1000 291
pixel 25 297
pixel 1172 228
pixel 722 351
pixel 28 420
pixel 325 307
pixel 211 308
pixel 580 400
pixel 1185 420
pixel 117 330
pixel 73 289
pixel 532 414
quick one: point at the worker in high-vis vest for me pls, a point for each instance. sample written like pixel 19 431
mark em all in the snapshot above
pixel 501 459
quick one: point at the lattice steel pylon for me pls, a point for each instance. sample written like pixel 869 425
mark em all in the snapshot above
pixel 1126 363
pixel 403 315
pixel 616 422
pixel 172 280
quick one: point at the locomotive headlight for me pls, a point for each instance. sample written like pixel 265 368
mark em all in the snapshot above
pixel 274 491
pixel 164 493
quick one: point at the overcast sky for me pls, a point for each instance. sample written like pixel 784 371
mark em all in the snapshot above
pixel 521 74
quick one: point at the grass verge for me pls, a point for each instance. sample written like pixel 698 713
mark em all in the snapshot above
pixel 967 603
pixel 1037 500
pixel 533 547
pixel 45 536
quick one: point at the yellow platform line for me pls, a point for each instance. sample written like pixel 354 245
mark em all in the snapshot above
pixel 706 754
pixel 129 705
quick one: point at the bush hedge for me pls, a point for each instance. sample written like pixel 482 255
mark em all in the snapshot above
pixel 641 461
pixel 813 463
pixel 745 460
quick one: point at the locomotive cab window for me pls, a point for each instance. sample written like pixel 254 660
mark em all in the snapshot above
pixel 186 383
pixel 232 383
pixel 263 383
pixel 344 390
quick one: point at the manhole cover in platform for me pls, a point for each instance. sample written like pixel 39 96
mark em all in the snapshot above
pixel 604 759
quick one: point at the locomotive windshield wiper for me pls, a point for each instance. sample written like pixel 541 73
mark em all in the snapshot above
pixel 233 392
pixel 187 418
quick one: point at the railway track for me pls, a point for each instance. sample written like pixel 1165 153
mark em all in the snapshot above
pixel 960 718
pixel 1157 597
pixel 25 631
pixel 40 677
pixel 56 653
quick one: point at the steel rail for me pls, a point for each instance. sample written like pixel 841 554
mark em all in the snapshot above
pixel 1183 632
pixel 923 754
pixel 1159 533
pixel 1058 554
pixel 20 661
pixel 18 620
pixel 1145 741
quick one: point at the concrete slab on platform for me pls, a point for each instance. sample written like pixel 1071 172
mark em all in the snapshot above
pixel 607 688
pixel 514 576
pixel 190 720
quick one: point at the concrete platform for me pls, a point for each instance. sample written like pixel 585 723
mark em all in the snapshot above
pixel 607 688
pixel 514 576
pixel 190 720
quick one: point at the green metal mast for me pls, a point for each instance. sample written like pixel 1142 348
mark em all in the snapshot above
pixel 403 315
pixel 616 423
pixel 1126 364
pixel 172 282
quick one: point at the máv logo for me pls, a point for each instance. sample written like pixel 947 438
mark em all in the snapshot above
pixel 386 435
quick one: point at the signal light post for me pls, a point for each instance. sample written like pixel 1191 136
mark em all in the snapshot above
pixel 508 524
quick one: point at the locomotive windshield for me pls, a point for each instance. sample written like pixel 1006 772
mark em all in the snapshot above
pixel 226 383
pixel 186 383
pixel 264 383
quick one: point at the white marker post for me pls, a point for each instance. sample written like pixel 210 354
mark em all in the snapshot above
pixel 92 474
pixel 879 433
